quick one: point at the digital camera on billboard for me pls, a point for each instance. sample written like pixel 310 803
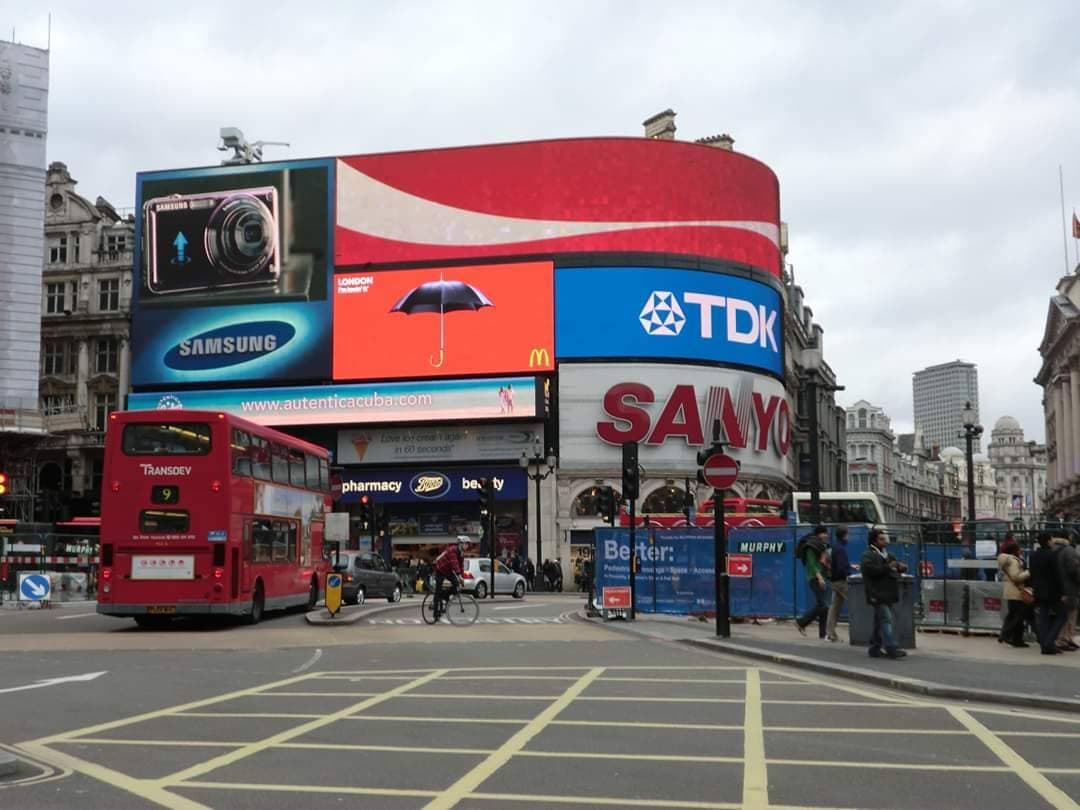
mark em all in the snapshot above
pixel 221 239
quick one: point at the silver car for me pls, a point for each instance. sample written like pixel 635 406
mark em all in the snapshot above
pixel 477 576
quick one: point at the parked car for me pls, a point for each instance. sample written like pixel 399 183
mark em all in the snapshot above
pixel 365 576
pixel 477 576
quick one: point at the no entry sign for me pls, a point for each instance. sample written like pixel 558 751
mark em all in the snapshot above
pixel 740 565
pixel 720 471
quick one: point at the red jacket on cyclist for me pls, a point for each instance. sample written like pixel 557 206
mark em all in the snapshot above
pixel 449 563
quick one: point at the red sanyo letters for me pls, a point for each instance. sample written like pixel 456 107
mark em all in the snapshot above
pixel 751 422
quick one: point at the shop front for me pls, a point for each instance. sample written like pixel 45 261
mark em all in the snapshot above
pixel 421 509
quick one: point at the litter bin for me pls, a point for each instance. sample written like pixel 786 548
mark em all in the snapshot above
pixel 861 615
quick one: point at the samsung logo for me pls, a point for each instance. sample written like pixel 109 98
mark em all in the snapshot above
pixel 229 345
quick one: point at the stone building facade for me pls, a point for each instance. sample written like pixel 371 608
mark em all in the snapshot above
pixel 1059 377
pixel 85 351
pixel 1020 469
pixel 871 455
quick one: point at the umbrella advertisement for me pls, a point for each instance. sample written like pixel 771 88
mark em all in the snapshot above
pixel 449 321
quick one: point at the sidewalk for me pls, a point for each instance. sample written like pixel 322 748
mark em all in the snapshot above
pixel 942 665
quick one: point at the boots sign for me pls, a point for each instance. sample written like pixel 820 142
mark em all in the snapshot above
pixel 670 412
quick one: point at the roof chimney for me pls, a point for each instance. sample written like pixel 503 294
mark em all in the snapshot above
pixel 723 141
pixel 661 126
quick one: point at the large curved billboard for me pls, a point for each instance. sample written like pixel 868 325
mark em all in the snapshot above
pixel 562 196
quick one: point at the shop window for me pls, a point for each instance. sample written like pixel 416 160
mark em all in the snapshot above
pixel 587 504
pixel 666 500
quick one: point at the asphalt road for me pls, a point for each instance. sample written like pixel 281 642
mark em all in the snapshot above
pixel 538 712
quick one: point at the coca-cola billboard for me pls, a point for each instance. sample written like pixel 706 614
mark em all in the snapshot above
pixel 671 412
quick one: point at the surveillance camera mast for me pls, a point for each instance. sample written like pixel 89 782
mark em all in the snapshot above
pixel 243 151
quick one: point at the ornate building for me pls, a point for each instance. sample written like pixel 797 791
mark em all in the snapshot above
pixel 1059 377
pixel 990 501
pixel 85 357
pixel 926 489
pixel 871 454
pixel 1020 468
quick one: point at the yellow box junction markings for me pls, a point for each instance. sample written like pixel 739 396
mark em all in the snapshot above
pixel 755 793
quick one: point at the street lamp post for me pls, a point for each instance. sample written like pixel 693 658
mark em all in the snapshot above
pixel 538 460
pixel 972 431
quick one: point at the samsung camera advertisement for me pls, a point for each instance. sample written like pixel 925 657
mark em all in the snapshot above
pixel 234 274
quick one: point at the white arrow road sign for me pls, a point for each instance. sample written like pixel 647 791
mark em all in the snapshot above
pixel 89 676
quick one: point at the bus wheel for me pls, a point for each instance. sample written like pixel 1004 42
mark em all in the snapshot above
pixel 257 604
pixel 313 595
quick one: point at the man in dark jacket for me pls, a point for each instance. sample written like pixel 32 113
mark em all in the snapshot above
pixel 881 577
pixel 1046 582
pixel 1068 565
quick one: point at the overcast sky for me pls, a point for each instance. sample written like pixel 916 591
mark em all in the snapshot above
pixel 917 148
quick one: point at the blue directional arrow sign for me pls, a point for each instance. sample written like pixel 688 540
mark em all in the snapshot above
pixel 34 587
pixel 180 243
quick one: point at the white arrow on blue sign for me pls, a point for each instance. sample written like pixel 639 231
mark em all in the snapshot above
pixel 34 587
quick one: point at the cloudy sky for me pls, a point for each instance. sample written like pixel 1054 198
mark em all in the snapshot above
pixel 917 147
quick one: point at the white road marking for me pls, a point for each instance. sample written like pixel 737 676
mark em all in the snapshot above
pixel 310 662
pixel 89 676
pixel 76 616
pixel 515 607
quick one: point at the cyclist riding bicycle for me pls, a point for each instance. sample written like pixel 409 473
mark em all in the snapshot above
pixel 448 568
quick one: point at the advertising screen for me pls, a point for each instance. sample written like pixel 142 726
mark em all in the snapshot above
pixel 670 411
pixel 233 266
pixel 667 314
pixel 431 401
pixel 399 445
pixel 571 195
pixel 444 322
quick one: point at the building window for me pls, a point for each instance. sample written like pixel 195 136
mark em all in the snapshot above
pixel 107 355
pixel 55 298
pixel 104 404
pixel 109 295
pixel 75 247
pixel 57 403
pixel 56 358
pixel 58 250
pixel 115 244
pixel 862 417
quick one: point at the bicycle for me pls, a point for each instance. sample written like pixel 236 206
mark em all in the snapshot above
pixel 460 608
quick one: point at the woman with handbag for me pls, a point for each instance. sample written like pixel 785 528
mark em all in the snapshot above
pixel 1017 594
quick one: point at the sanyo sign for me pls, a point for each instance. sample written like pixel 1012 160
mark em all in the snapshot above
pixel 670 411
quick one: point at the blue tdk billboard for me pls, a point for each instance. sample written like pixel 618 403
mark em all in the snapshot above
pixel 233 274
pixel 650 313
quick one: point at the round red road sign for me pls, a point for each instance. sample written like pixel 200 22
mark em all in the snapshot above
pixel 720 471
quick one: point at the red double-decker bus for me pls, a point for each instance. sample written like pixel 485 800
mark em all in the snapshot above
pixel 203 513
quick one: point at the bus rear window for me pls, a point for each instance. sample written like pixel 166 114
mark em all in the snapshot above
pixel 160 521
pixel 167 439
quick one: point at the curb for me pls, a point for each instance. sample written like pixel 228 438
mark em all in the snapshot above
pixel 899 683
pixel 8 763
pixel 320 618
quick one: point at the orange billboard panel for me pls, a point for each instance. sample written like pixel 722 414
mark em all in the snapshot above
pixel 444 321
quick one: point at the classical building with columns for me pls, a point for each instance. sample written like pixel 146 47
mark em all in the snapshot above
pixel 1020 467
pixel 85 357
pixel 1059 377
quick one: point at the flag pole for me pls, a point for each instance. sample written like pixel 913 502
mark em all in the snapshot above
pixel 1064 232
pixel 1076 238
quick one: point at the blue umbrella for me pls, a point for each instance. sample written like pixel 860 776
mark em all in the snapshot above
pixel 442 296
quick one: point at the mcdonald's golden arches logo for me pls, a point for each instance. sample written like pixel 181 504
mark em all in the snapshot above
pixel 539 357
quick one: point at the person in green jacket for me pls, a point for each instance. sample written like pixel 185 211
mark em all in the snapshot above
pixel 812 551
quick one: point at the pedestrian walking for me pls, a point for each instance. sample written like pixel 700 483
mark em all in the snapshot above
pixel 1046 582
pixel 839 571
pixel 1068 565
pixel 1015 579
pixel 811 551
pixel 881 577
pixel 530 574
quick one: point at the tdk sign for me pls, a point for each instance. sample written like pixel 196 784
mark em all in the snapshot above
pixel 229 345
pixel 649 313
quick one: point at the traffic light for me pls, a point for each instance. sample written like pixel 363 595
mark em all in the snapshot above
pixel 630 474
pixel 487 496
pixel 3 483
pixel 367 511
pixel 606 499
